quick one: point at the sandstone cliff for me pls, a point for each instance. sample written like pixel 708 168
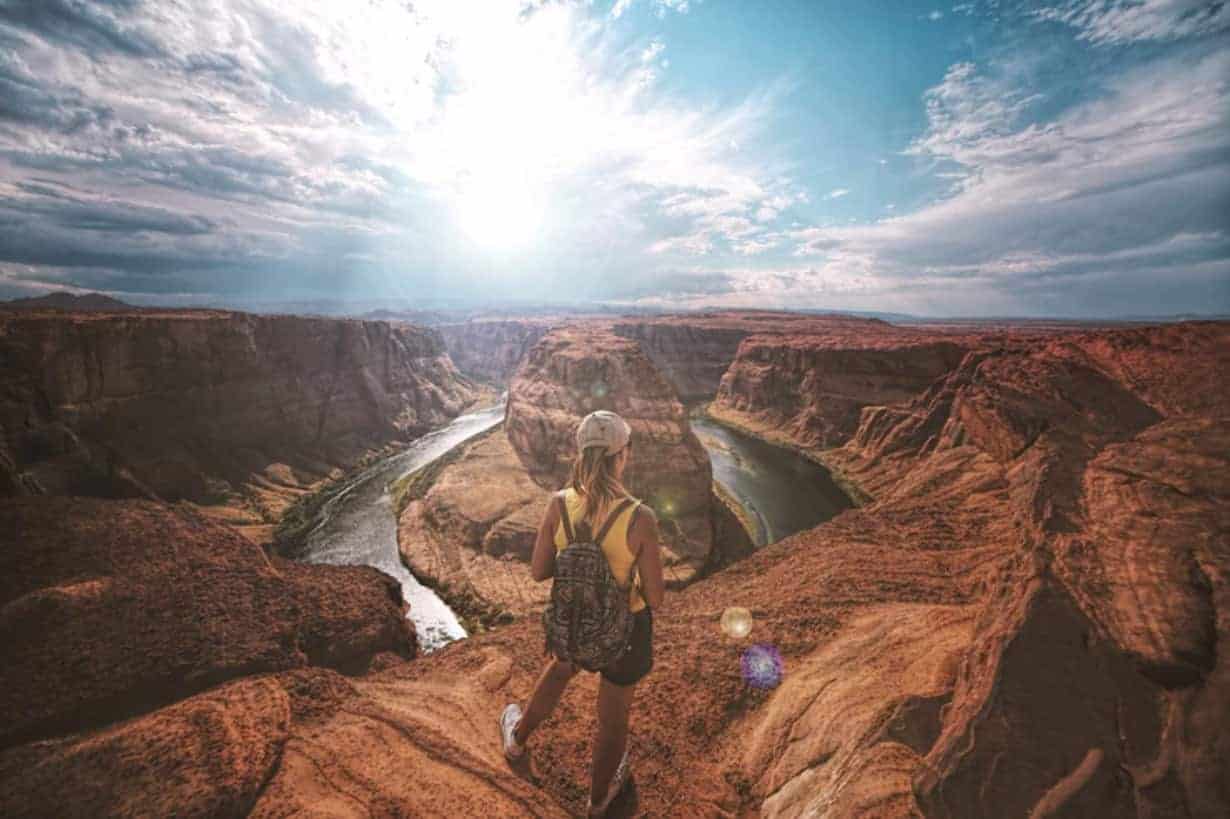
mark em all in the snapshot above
pixel 694 350
pixel 809 389
pixel 492 349
pixel 1029 619
pixel 209 406
pixel 114 610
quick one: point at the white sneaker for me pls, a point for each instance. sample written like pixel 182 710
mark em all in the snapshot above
pixel 508 727
pixel 617 784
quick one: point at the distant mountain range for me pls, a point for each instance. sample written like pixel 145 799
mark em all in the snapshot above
pixel 66 301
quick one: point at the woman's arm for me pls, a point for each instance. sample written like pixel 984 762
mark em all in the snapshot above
pixel 542 562
pixel 645 543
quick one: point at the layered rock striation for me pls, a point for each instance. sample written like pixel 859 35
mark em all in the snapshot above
pixel 492 349
pixel 209 406
pixel 1030 617
pixel 809 389
pixel 694 350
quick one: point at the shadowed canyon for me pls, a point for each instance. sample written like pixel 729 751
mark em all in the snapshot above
pixel 1017 603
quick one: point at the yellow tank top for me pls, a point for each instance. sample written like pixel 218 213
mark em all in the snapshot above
pixel 615 547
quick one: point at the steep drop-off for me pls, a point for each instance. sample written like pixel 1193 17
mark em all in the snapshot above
pixel 1029 619
pixel 207 406
pixel 574 371
pixel 694 350
pixel 114 610
pixel 492 349
pixel 809 389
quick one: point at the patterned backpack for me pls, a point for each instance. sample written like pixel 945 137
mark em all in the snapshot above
pixel 587 621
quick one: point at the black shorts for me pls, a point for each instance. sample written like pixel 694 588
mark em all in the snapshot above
pixel 637 659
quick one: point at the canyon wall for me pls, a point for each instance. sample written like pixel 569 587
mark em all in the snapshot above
pixel 809 389
pixel 694 350
pixel 492 349
pixel 157 663
pixel 1031 617
pixel 204 405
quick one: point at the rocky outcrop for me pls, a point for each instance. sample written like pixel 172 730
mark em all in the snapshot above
pixel 1028 619
pixel 471 533
pixel 693 350
pixel 574 371
pixel 207 406
pixel 492 349
pixel 809 389
pixel 111 608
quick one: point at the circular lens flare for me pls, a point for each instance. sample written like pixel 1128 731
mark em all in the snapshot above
pixel 736 622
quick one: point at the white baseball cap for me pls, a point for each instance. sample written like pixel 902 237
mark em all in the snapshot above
pixel 603 428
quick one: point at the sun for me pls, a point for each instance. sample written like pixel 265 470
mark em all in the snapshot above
pixel 501 213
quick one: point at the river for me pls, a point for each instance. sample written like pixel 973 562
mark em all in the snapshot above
pixel 783 492
pixel 358 525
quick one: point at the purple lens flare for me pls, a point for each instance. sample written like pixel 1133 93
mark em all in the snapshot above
pixel 762 666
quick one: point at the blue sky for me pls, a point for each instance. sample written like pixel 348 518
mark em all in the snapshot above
pixel 1066 158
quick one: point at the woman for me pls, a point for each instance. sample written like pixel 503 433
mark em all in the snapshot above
pixel 631 547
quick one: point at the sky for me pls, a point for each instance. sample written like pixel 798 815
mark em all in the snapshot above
pixel 977 158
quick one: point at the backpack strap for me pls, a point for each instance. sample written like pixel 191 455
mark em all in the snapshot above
pixel 569 535
pixel 610 521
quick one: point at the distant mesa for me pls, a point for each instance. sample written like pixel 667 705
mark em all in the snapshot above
pixel 64 300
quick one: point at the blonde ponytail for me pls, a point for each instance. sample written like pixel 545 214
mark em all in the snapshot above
pixel 593 477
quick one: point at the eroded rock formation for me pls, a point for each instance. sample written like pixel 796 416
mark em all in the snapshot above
pixel 115 610
pixel 809 389
pixel 492 349
pixel 1028 619
pixel 694 350
pixel 209 406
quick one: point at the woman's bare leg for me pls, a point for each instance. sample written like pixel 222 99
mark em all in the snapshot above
pixel 614 703
pixel 547 691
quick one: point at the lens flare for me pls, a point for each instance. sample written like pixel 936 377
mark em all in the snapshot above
pixel 598 389
pixel 736 622
pixel 762 666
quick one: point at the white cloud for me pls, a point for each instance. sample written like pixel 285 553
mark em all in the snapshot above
pixel 451 136
pixel 1115 22
pixel 660 7
pixel 837 193
pixel 935 15
pixel 1135 180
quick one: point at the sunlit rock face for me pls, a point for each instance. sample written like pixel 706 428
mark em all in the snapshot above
pixel 112 608
pixel 1108 454
pixel 810 388
pixel 574 371
pixel 197 404
pixel 492 349
pixel 694 350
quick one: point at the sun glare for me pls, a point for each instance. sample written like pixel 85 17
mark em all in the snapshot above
pixel 501 213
